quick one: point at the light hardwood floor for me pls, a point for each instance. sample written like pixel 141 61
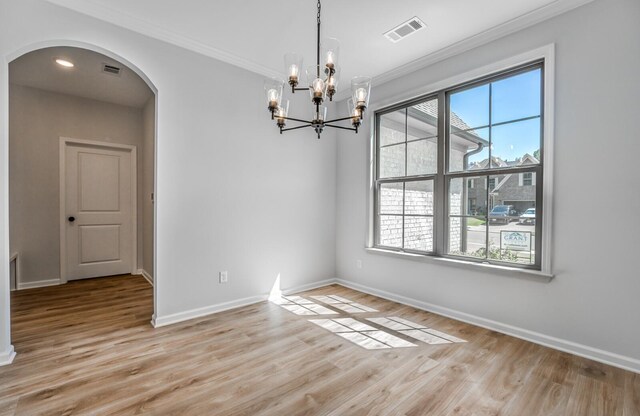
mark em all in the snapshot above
pixel 88 348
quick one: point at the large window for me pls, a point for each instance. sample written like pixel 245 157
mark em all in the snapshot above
pixel 459 172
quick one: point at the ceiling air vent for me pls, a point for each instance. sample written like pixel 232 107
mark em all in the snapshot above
pixel 111 70
pixel 404 29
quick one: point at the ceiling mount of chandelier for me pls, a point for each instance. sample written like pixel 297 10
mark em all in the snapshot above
pixel 322 83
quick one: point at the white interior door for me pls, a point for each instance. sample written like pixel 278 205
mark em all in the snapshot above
pixel 99 210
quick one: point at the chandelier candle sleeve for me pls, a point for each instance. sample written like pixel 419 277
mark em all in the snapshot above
pixel 332 82
pixel 331 51
pixel 273 90
pixel 319 115
pixel 317 85
pixel 293 66
pixel 281 113
pixel 360 89
pixel 356 115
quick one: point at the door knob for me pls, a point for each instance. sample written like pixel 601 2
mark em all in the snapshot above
pixel 72 219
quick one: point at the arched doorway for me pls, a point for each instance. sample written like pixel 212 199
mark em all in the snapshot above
pixel 90 63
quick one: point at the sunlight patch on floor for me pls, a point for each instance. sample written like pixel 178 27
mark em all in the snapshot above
pixel 416 331
pixel 301 306
pixel 343 304
pixel 362 334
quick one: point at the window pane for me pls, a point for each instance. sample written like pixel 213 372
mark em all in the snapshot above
pixel 418 233
pixel 422 120
pixel 390 231
pixel 392 127
pixel 392 161
pixel 516 97
pixel 468 196
pixel 468 150
pixel 422 157
pixel 418 198
pixel 515 144
pixel 512 220
pixel 467 237
pixel 469 108
pixel 390 198
pixel 512 243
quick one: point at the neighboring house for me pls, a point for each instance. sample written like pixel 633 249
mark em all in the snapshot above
pixel 517 189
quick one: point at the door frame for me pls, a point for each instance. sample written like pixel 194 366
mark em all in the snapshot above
pixel 64 142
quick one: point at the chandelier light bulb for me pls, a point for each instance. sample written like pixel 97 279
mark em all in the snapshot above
pixel 273 91
pixel 361 96
pixel 318 86
pixel 293 64
pixel 330 51
pixel 355 113
pixel 294 71
pixel 273 98
pixel 330 60
pixel 281 113
pixel 360 88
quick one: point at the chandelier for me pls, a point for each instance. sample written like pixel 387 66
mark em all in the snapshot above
pixel 322 83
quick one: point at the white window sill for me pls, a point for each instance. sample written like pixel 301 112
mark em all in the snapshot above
pixel 510 271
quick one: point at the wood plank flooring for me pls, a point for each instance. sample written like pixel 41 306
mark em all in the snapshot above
pixel 87 348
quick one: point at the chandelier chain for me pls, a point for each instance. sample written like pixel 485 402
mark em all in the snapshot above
pixel 319 7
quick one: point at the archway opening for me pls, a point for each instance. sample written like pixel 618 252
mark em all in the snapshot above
pixel 82 140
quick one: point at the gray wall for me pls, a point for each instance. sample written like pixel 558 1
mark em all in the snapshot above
pixel 37 120
pixel 594 296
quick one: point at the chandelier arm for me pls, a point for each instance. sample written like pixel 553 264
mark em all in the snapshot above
pixel 295 128
pixel 295 119
pixel 339 119
pixel 341 127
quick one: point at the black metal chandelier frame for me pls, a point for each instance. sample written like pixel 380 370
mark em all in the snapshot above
pixel 318 123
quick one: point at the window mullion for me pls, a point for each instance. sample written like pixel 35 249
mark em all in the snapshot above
pixel 440 212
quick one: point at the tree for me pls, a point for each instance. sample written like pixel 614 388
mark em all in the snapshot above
pixel 536 154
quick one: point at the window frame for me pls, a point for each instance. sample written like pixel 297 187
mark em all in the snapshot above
pixel 402 179
pixel 442 177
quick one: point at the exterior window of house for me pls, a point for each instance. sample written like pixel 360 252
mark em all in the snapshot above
pixel 459 173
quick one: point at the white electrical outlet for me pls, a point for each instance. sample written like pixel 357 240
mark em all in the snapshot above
pixel 224 277
pixel 359 264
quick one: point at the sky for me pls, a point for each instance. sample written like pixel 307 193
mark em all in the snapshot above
pixel 511 99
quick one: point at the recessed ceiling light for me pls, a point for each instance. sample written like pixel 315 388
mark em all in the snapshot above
pixel 64 63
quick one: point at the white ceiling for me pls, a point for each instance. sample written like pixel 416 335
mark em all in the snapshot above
pixel 255 34
pixel 38 69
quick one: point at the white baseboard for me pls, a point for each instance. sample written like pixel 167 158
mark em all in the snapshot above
pixel 39 283
pixel 225 306
pixel 7 357
pixel 146 275
pixel 595 354
pixel 204 311
pixel 309 286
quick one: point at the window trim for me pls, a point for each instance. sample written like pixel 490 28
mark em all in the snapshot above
pixel 545 54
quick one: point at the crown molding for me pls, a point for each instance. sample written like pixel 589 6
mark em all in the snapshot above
pixel 521 22
pixel 127 21
pixel 141 26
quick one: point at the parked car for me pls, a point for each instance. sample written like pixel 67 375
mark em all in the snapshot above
pixel 528 217
pixel 504 214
